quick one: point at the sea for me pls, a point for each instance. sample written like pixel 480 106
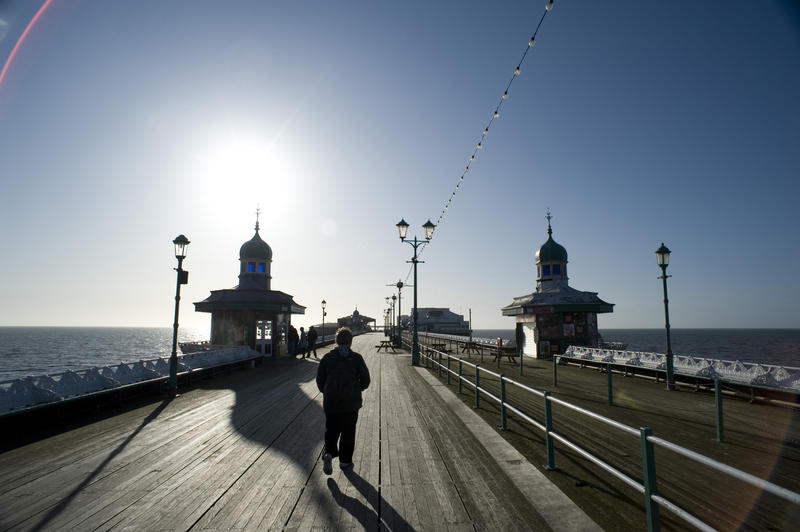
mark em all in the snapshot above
pixel 27 351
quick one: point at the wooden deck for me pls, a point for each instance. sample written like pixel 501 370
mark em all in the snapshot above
pixel 242 452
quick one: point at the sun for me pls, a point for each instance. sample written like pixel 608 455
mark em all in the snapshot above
pixel 237 172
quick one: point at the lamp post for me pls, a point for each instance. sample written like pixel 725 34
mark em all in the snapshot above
pixel 394 320
pixel 662 256
pixel 402 229
pixel 324 304
pixel 181 243
pixel 399 324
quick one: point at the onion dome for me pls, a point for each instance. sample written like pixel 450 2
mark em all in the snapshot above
pixel 255 248
pixel 551 251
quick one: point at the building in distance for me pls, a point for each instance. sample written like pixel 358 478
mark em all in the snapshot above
pixel 556 315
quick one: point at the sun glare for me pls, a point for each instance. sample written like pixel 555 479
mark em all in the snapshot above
pixel 245 172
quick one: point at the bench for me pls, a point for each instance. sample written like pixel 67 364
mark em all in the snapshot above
pixel 469 347
pixel 439 347
pixel 386 345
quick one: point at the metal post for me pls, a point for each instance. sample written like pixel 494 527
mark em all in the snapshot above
pixel 718 402
pixel 555 371
pixel 503 424
pixel 670 368
pixel 548 425
pixel 460 373
pixel 610 387
pixel 448 370
pixel 649 481
pixel 477 385
pixel 173 359
pixel 439 364
pixel 520 360
pixel 415 335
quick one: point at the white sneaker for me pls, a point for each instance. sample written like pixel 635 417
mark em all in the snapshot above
pixel 327 464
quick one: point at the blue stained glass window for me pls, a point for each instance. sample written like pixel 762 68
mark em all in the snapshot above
pixel 262 267
pixel 251 267
pixel 546 270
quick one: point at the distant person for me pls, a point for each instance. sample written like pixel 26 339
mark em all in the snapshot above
pixel 312 341
pixel 341 377
pixel 291 341
pixel 303 344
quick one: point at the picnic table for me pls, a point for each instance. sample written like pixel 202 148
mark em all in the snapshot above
pixel 500 352
pixel 386 345
pixel 469 347
pixel 439 347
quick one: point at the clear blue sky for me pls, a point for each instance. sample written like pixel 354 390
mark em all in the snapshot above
pixel 124 124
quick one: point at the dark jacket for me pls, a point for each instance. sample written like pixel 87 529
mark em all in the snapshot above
pixel 359 370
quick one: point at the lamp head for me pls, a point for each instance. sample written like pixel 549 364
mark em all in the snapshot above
pixel 402 228
pixel 429 227
pixel 181 243
pixel 323 304
pixel 662 255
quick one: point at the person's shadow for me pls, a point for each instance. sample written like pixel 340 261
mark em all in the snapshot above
pixel 383 511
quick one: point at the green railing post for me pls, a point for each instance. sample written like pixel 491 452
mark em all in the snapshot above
pixel 718 402
pixel 520 361
pixel 448 370
pixel 503 417
pixel 548 425
pixel 439 365
pixel 610 387
pixel 477 385
pixel 460 373
pixel 649 481
pixel 555 371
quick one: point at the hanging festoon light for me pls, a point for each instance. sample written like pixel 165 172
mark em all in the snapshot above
pixel 496 114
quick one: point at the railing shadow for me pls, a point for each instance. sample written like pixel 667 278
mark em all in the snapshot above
pixel 65 502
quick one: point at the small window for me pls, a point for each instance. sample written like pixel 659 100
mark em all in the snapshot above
pixel 556 269
pixel 546 270
pixel 262 268
pixel 251 267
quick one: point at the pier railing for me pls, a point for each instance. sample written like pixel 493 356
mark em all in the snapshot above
pixel 495 389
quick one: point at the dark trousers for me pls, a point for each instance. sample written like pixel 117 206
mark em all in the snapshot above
pixel 340 434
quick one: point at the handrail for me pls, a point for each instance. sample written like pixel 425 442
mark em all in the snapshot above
pixel 661 501
pixel 732 471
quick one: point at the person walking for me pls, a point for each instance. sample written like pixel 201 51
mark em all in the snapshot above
pixel 292 339
pixel 341 377
pixel 312 341
pixel 301 346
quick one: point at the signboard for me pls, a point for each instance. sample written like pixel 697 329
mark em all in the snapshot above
pixel 540 310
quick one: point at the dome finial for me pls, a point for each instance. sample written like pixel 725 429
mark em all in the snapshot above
pixel 258 212
pixel 549 229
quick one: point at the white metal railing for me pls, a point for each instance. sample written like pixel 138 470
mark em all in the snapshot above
pixel 785 378
pixel 653 500
pixel 36 391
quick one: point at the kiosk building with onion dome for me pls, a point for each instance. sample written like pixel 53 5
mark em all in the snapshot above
pixel 556 315
pixel 251 313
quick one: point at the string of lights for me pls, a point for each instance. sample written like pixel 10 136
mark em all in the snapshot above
pixel 495 115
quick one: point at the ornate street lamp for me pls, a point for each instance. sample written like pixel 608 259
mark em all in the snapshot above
pixel 181 243
pixel 394 321
pixel 662 257
pixel 324 304
pixel 402 229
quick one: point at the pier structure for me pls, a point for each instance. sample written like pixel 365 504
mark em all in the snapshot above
pixel 555 316
pixel 356 322
pixel 251 313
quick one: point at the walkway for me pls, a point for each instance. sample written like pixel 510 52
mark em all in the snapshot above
pixel 242 453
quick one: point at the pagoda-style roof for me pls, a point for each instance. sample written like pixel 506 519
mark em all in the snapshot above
pixel 557 299
pixel 243 299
